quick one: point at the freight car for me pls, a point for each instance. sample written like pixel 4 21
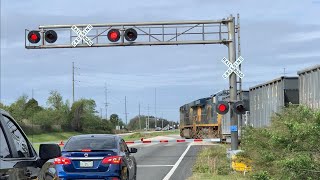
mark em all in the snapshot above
pixel 199 118
pixel 309 86
pixel 270 97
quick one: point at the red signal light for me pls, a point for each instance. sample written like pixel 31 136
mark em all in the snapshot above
pixel 114 35
pixel 34 37
pixel 222 107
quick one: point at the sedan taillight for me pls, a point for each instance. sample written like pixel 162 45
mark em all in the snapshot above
pixel 62 161
pixel 112 160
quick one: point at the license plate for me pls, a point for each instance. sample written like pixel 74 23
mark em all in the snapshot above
pixel 86 164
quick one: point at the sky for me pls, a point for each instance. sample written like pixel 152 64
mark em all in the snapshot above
pixel 274 35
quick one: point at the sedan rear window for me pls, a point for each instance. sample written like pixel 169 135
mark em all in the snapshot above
pixel 92 143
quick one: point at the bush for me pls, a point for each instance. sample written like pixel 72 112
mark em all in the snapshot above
pixel 263 175
pixel 289 148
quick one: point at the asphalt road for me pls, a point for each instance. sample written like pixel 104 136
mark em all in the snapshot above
pixel 171 161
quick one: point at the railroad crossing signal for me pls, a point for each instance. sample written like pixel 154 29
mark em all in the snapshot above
pixel 126 34
pixel 222 107
pixel 51 36
pixel 34 37
pixel 156 33
pixel 240 107
pixel 232 67
pixel 82 35
pixel 130 34
pixel 114 35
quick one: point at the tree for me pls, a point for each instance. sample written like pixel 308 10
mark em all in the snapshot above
pixel 55 100
pixel 32 107
pixel 82 111
pixel 17 109
pixel 115 120
pixel 4 107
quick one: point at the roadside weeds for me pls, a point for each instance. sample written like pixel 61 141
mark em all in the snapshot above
pixel 212 164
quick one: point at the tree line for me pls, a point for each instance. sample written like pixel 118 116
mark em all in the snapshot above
pixel 60 115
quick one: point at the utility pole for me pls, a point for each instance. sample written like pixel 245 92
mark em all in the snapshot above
pixel 106 98
pixel 162 120
pixel 139 118
pixel 125 109
pixel 155 107
pixel 32 94
pixel 72 82
pixel 233 83
pixel 284 72
pixel 101 113
pixel 147 122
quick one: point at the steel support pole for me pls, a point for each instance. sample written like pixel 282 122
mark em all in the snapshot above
pixel 72 82
pixel 233 84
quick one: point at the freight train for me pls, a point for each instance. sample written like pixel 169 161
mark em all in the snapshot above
pixel 199 118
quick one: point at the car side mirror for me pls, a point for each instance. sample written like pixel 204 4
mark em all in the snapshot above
pixel 133 150
pixel 49 151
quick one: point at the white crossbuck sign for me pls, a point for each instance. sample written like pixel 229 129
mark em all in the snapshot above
pixel 232 67
pixel 82 35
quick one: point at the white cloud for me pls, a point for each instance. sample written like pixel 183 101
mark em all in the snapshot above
pixel 303 37
pixel 302 55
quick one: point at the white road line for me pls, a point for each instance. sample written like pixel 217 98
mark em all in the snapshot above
pixel 167 177
pixel 155 165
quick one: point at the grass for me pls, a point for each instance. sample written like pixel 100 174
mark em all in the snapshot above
pixel 51 137
pixel 212 163
pixel 138 136
pixel 208 176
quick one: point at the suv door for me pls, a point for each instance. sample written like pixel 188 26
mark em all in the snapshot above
pixel 5 168
pixel 22 161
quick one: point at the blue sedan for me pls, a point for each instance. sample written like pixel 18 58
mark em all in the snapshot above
pixel 96 156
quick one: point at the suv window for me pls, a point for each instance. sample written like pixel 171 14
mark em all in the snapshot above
pixel 19 141
pixel 4 149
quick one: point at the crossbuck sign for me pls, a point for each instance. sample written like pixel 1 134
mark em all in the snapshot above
pixel 82 35
pixel 232 67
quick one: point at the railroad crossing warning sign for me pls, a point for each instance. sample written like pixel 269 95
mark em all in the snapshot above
pixel 82 35
pixel 232 67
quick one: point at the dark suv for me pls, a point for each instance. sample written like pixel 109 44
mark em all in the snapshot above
pixel 18 159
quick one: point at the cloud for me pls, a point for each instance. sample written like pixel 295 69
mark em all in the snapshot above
pixel 303 37
pixel 302 56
